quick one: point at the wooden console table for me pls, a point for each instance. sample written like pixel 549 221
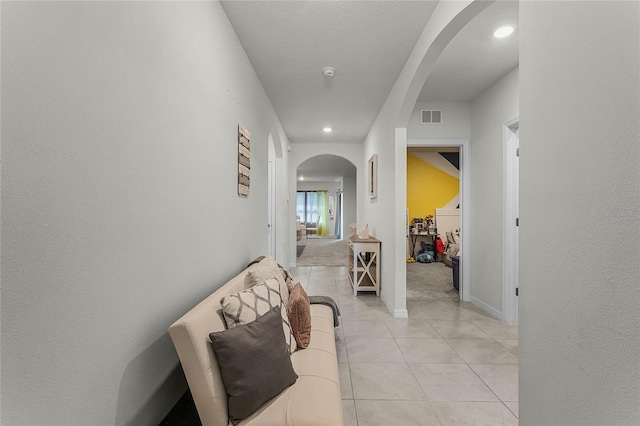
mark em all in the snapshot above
pixel 364 264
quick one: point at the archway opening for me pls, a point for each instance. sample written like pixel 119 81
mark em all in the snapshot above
pixel 326 196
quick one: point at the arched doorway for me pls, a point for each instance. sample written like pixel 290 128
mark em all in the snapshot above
pixel 325 203
pixel 453 18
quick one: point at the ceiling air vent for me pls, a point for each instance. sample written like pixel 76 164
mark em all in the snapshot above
pixel 430 116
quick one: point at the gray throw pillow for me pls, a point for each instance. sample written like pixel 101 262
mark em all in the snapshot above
pixel 255 363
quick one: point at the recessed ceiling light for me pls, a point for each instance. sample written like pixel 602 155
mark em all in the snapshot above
pixel 503 32
pixel 301 178
pixel 327 130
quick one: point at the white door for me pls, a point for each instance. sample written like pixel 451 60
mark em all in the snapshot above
pixel 271 194
pixel 512 222
pixel 516 197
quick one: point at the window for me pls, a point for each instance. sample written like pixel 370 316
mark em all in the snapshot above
pixel 307 206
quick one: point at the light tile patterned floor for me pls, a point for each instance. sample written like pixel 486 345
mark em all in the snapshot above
pixel 448 364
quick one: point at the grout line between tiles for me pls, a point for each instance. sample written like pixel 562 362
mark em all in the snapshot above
pixel 331 281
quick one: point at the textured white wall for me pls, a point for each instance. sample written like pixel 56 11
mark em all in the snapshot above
pixel 378 212
pixel 282 220
pixel 489 112
pixel 580 213
pixel 330 187
pixel 456 121
pixel 119 199
pixel 349 207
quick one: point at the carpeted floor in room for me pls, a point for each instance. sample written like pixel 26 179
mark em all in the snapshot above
pixel 430 281
pixel 322 252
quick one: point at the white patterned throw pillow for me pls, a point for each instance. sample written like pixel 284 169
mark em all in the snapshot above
pixel 250 304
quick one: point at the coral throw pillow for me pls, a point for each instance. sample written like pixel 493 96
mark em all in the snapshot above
pixel 299 311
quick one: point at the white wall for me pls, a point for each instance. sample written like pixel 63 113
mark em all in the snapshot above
pixel 349 206
pixel 579 173
pixel 379 213
pixel 456 121
pixel 119 198
pixel 282 228
pixel 489 112
pixel 330 187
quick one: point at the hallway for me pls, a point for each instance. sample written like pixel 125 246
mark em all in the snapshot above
pixel 449 363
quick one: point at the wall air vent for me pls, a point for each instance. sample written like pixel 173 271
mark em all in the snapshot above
pixel 430 116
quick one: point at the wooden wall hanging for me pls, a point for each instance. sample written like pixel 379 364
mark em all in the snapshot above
pixel 244 160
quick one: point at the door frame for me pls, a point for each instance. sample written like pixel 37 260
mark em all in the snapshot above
pixel 510 230
pixel 465 198
pixel 271 208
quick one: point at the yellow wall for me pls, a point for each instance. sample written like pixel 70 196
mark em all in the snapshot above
pixel 428 187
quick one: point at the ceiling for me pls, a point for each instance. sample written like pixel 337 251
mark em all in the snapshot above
pixel 368 42
pixel 475 59
pixel 290 42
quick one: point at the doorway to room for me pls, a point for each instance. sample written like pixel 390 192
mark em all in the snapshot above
pixel 434 218
pixel 325 202
pixel 271 189
pixel 271 195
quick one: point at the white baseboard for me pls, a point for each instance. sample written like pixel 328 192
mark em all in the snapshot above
pixel 488 309
pixel 396 313
pixel 400 313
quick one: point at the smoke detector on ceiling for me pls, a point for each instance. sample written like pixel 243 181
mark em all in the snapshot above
pixel 328 72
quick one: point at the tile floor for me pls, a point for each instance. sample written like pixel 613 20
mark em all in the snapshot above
pixel 448 364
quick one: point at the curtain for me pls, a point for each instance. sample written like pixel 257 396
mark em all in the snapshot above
pixel 313 207
pixel 321 199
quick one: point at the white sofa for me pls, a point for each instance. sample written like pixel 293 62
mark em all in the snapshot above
pixel 315 397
